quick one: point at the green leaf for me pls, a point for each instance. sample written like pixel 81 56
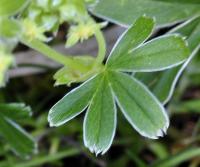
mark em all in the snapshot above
pixel 132 38
pixel 73 103
pixel 100 120
pixel 176 159
pixel 139 106
pixel 20 141
pixel 165 82
pixel 190 30
pixel 10 7
pixel 128 11
pixel 16 111
pixel 11 28
pixel 156 55
pixel 67 76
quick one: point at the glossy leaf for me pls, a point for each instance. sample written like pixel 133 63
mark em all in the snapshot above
pixel 156 55
pixel 10 7
pixel 20 141
pixel 100 119
pixel 73 103
pixel 143 111
pixel 129 10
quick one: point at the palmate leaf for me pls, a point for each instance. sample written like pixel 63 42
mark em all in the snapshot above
pixel 129 10
pixel 138 104
pixel 19 140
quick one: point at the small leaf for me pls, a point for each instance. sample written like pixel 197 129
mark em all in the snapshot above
pixel 100 119
pixel 139 106
pixel 10 28
pixel 10 7
pixel 20 141
pixel 190 30
pixel 73 103
pixel 6 60
pixel 132 38
pixel 15 111
pixel 156 55
pixel 67 76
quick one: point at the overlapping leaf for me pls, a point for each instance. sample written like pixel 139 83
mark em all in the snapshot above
pixel 163 84
pixel 144 112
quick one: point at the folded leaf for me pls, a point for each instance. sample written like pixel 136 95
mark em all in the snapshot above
pixel 73 103
pixel 100 120
pixel 129 10
pixel 132 38
pixel 20 141
pixel 143 111
pixel 156 55
pixel 10 7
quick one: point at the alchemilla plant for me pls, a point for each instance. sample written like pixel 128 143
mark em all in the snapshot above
pixel 108 85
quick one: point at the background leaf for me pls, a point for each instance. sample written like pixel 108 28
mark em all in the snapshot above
pixel 10 29
pixel 10 7
pixel 16 111
pixel 20 141
pixel 128 11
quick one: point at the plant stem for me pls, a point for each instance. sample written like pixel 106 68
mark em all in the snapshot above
pixel 102 47
pixel 41 47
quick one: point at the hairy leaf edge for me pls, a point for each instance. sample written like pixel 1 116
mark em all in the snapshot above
pixel 175 35
pixel 50 120
pixel 160 131
pixel 93 148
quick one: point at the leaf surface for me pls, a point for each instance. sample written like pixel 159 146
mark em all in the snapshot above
pixel 128 11
pixel 73 103
pixel 20 141
pixel 156 55
pixel 132 38
pixel 100 120
pixel 10 7
pixel 143 111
